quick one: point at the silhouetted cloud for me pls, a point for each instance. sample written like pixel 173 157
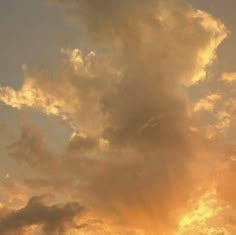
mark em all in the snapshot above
pixel 54 219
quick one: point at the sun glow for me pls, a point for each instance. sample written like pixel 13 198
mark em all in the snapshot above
pixel 203 219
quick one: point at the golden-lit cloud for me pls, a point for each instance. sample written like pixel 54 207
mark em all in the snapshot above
pixel 204 218
pixel 137 159
pixel 228 77
pixel 30 95
pixel 207 104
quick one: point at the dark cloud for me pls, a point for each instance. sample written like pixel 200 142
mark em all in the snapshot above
pixel 54 219
pixel 82 144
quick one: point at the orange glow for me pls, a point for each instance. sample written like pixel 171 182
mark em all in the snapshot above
pixel 201 219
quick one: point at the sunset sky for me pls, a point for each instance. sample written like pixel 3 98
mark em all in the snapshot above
pixel 118 117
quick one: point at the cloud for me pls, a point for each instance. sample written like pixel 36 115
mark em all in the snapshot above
pixel 222 124
pixel 227 193
pixel 228 77
pixel 207 104
pixel 30 96
pixel 70 90
pixel 13 193
pixel 30 147
pixel 205 218
pixel 128 24
pixel 3 127
pixel 132 157
pixel 215 113
pixel 54 219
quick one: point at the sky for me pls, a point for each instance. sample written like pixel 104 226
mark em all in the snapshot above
pixel 117 117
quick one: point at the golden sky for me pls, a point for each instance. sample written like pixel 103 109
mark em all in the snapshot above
pixel 117 117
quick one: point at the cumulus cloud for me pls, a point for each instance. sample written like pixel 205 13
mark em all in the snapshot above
pixel 215 113
pixel 132 155
pixel 54 219
pixel 131 25
pixel 207 104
